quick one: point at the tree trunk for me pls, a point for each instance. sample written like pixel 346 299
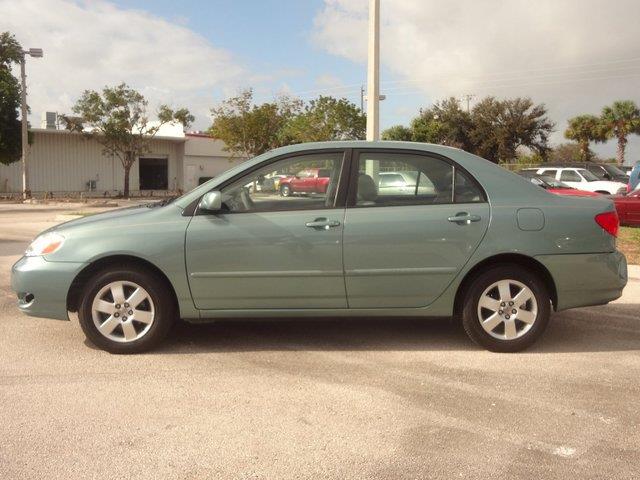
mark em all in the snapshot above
pixel 127 169
pixel 622 143
pixel 584 151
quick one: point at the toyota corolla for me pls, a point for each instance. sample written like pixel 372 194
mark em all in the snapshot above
pixel 479 244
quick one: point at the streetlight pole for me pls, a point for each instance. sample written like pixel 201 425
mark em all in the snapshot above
pixel 373 72
pixel 36 53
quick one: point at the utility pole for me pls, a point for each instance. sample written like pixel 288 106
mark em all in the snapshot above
pixel 36 53
pixel 468 98
pixel 373 73
pixel 362 98
pixel 25 133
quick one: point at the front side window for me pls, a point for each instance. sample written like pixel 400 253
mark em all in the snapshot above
pixel 587 175
pixel 386 179
pixel 598 171
pixel 287 184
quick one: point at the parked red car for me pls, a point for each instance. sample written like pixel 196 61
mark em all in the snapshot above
pixel 311 180
pixel 628 207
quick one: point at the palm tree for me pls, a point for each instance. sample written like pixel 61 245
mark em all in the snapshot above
pixel 620 120
pixel 585 129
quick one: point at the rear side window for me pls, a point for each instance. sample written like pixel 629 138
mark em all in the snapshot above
pixel 467 190
pixel 395 178
pixel 570 176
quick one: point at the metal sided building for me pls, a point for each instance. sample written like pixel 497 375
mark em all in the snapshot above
pixel 62 162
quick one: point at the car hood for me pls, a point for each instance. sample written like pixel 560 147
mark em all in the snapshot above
pixel 119 215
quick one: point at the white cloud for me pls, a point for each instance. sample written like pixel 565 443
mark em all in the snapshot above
pixel 573 55
pixel 91 44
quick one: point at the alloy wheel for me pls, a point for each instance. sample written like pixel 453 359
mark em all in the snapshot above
pixel 123 311
pixel 507 309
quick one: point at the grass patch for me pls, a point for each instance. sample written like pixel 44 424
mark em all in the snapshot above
pixel 629 244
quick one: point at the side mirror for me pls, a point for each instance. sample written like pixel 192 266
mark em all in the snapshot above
pixel 211 201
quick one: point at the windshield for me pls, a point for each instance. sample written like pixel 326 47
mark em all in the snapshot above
pixel 613 170
pixel 588 176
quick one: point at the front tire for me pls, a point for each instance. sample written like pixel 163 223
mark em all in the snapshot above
pixel 286 190
pixel 506 309
pixel 123 310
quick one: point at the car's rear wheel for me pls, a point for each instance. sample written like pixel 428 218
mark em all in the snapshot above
pixel 126 311
pixel 506 309
pixel 285 190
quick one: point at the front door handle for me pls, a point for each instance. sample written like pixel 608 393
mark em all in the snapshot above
pixel 322 224
pixel 464 218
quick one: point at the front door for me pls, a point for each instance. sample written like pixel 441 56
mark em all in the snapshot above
pixel 264 251
pixel 402 247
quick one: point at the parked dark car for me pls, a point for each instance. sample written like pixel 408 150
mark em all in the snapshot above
pixel 604 171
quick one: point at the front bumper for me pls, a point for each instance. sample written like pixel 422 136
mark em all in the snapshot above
pixel 42 286
pixel 589 279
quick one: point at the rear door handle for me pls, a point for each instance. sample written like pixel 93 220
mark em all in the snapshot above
pixel 322 224
pixel 464 218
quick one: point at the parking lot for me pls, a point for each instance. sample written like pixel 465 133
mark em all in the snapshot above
pixel 383 398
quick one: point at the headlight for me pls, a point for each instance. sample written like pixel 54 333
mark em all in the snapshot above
pixel 45 244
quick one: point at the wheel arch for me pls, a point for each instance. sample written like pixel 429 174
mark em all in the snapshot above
pixel 524 261
pixel 75 290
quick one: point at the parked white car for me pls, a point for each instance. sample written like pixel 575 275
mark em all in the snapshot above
pixel 582 179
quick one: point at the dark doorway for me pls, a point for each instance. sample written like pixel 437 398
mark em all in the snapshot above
pixel 154 174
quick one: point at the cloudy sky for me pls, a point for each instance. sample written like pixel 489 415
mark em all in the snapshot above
pixel 573 55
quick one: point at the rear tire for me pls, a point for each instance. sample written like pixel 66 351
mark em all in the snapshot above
pixel 506 309
pixel 123 310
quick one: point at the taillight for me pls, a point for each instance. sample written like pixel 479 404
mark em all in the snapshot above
pixel 609 222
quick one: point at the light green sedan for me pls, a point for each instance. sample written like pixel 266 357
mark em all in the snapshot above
pixel 482 245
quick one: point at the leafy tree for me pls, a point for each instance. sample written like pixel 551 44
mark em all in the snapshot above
pixel 117 119
pixel 398 133
pixel 620 120
pixel 585 129
pixel 248 129
pixel 444 123
pixel 325 118
pixel 566 153
pixel 500 127
pixel 10 134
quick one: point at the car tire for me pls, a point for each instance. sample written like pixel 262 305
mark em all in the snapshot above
pixel 286 190
pixel 117 326
pixel 506 308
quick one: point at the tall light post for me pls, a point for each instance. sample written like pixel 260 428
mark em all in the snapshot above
pixel 373 72
pixel 35 53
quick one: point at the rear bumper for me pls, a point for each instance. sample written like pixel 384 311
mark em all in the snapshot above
pixel 586 279
pixel 42 286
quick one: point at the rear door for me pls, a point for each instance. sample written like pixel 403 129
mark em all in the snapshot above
pixel 403 248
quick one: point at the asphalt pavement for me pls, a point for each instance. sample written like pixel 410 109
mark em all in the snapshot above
pixel 270 399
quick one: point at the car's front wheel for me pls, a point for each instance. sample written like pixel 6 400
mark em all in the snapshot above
pixel 286 191
pixel 506 309
pixel 123 310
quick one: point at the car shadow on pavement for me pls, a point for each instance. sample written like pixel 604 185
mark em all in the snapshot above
pixel 614 327
pixel 320 334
